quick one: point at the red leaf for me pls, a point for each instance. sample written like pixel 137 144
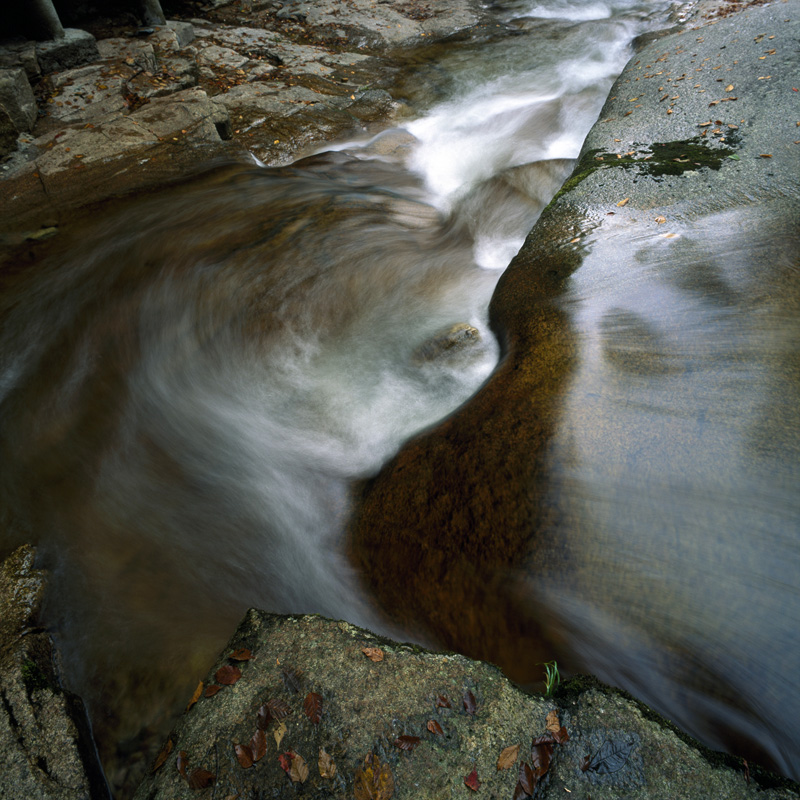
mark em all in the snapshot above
pixel 442 702
pixel 278 708
pixel 181 762
pixel 163 755
pixel 263 717
pixel 227 675
pixel 211 690
pixel 527 780
pixel 285 760
pixel 241 655
pixel 406 742
pixel 258 745
pixel 520 793
pixel 470 703
pixel 313 707
pixel 201 779
pixel 471 781
pixel 435 727
pixel 545 738
pixel 244 755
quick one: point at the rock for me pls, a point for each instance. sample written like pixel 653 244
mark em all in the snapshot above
pixel 453 341
pixel 184 32
pixel 76 48
pixel 16 98
pixel 8 134
pixel 20 54
pixel 138 53
pixel 46 750
pixel 344 712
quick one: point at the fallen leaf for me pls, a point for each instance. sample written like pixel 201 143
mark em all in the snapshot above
pixel 527 779
pixel 278 708
pixel 434 727
pixel 244 755
pixel 508 757
pixel 258 745
pixel 263 717
pixel 373 653
pixel 201 779
pixel 610 758
pixel 279 733
pixel 561 735
pixel 520 793
pixel 243 654
pixel 227 675
pixel 470 703
pixel 541 754
pixel 406 742
pixel 312 706
pixel 374 780
pixel 551 721
pixel 669 235
pixel 576 239
pixel 327 767
pixel 299 770
pixel 661 220
pixel 181 763
pixel 211 690
pixel 623 202
pixel 285 760
pixel 163 755
pixel 196 696
pixel 765 155
pixel 729 87
pixel 292 679
pixel 442 702
pixel 472 782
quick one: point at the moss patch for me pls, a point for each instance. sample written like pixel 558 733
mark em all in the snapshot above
pixel 33 677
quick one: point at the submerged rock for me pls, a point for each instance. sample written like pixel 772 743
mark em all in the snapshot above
pixel 309 706
pixel 453 341
pixel 46 749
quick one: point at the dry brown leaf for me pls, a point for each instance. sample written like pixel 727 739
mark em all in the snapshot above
pixel 279 733
pixel 313 707
pixel 299 771
pixel 163 755
pixel 442 702
pixel 623 202
pixel 242 654
pixel 551 721
pixel 211 690
pixel 434 727
pixel 373 653
pixel 201 779
pixel 661 220
pixel 508 757
pixel 470 703
pixel 244 755
pixel 196 696
pixel 406 742
pixel 327 767
pixel 258 745
pixel 181 763
pixel 228 675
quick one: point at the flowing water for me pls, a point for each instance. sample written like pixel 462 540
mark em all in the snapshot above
pixel 193 381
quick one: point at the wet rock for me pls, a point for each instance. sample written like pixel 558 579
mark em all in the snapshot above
pixel 339 712
pixel 46 751
pixel 16 98
pixel 134 51
pixel 76 48
pixel 453 341
pixel 20 54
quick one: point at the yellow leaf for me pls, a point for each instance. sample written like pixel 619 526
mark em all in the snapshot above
pixel 661 220
pixel 729 87
pixel 623 202
pixel 279 733
pixel 508 757
pixel 196 696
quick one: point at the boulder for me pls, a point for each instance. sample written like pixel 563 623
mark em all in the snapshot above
pixel 76 48
pixel 16 98
pixel 46 749
pixel 310 706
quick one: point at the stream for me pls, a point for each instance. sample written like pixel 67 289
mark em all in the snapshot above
pixel 193 382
